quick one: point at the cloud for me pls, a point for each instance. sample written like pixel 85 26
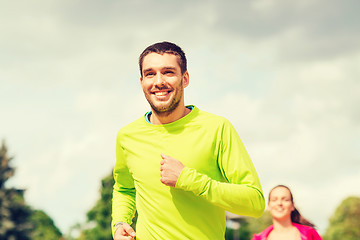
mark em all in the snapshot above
pixel 302 130
pixel 311 30
pixel 286 76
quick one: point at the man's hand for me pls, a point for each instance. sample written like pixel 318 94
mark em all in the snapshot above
pixel 170 170
pixel 124 232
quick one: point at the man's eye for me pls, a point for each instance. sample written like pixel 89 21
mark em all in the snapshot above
pixel 149 74
pixel 169 72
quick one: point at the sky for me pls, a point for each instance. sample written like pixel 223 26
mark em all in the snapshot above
pixel 286 74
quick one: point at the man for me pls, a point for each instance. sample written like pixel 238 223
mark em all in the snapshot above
pixel 178 166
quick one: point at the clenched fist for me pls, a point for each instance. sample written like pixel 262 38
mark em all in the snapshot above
pixel 170 170
pixel 124 232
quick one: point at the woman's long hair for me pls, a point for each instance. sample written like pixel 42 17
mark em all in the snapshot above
pixel 295 214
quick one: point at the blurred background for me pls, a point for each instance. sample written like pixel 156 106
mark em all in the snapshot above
pixel 286 74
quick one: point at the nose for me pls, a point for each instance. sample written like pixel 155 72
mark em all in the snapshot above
pixel 159 80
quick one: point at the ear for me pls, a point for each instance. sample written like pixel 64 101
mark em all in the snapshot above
pixel 186 79
pixel 141 79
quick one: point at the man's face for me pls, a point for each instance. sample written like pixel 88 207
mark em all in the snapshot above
pixel 162 82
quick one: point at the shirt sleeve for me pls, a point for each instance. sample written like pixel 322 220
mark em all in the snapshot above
pixel 241 193
pixel 123 201
pixel 315 235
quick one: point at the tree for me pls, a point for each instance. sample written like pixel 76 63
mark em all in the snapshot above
pixel 98 226
pixel 345 222
pixel 257 225
pixel 17 219
pixel 14 213
pixel 243 228
pixel 99 217
pixel 237 229
pixel 44 227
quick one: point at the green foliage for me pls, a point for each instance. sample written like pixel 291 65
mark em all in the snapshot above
pixel 98 225
pixel 17 220
pixel 345 223
pixel 99 217
pixel 14 214
pixel 44 227
pixel 248 226
pixel 6 171
pixel 240 230
pixel 257 225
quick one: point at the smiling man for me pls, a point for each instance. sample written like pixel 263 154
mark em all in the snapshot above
pixel 163 82
pixel 178 166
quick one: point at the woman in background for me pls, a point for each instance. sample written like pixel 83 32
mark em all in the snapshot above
pixel 288 224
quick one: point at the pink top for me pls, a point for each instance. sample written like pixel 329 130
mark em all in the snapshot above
pixel 306 233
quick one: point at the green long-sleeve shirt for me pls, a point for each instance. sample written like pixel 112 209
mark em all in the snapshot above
pixel 218 176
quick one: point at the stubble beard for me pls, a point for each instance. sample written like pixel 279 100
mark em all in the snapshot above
pixel 167 109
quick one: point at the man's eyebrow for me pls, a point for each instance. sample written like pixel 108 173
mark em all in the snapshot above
pixel 164 68
pixel 169 68
pixel 147 70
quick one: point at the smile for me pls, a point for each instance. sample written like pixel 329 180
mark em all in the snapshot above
pixel 162 93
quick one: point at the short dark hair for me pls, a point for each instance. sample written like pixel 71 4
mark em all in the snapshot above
pixel 165 47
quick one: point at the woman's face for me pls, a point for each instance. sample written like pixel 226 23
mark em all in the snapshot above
pixel 280 204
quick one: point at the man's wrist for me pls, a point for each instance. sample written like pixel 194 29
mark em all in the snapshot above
pixel 118 224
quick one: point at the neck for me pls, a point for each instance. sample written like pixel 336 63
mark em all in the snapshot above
pixel 282 224
pixel 166 117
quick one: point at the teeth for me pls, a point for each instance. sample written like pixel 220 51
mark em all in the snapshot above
pixel 160 93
